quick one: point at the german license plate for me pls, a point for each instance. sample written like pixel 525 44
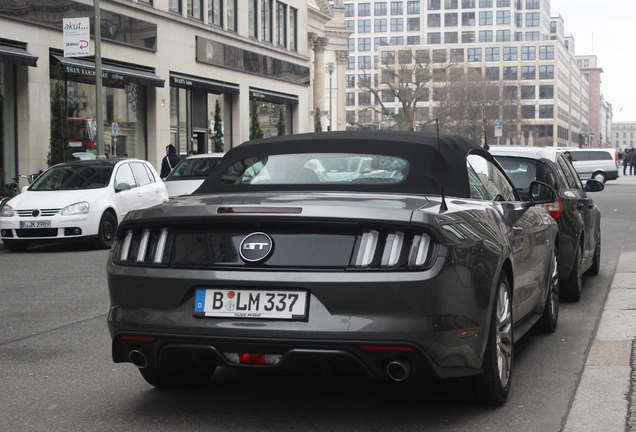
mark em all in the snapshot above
pixel 250 303
pixel 36 224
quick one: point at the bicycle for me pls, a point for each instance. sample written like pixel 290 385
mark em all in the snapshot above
pixel 12 189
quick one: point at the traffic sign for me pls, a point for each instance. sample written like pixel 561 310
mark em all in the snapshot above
pixel 115 128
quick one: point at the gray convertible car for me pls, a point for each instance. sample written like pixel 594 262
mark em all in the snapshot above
pixel 390 254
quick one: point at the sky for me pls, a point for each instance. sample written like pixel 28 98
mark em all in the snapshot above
pixel 606 28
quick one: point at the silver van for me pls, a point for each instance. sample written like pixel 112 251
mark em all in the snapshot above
pixel 597 164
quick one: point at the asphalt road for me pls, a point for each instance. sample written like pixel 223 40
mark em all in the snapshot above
pixel 56 373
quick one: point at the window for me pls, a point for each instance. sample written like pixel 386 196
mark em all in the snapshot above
pixel 364 44
pixel 468 4
pixel 434 38
pixel 215 12
pixel 528 53
pixel 434 20
pixel 451 37
pixel 503 35
pixel 350 24
pixel 546 52
pixel 532 19
pixel 533 4
pixel 468 37
pixel 364 98
pixel 267 22
pixel 379 41
pixel 412 24
pixel 379 9
pixel 351 62
pixel 379 25
pixel 503 3
pixel 281 24
pixel 350 80
pixel 434 4
pixel 364 9
pixel 450 4
pixel 413 40
pixel 474 54
pixel 450 20
pixel 546 72
pixel 351 44
pixel 364 62
pixel 194 9
pixel 528 92
pixel 125 175
pixel 487 181
pixel 457 55
pixel 533 36
pixel 397 8
pixel 503 17
pixel 528 72
pixel 293 29
pixel 350 10
pixel 485 3
pixel 492 54
pixel 397 40
pixel 510 73
pixel 546 92
pixel 485 35
pixel 351 99
pixel 468 18
pixel 492 73
pixel 364 26
pixel 510 53
pixel 231 15
pixel 439 56
pixel 485 18
pixel 413 7
pixel 546 111
pixel 397 24
pixel 175 6
pixel 528 112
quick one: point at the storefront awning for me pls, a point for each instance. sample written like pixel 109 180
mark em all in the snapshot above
pixel 210 86
pixel 84 68
pixel 269 96
pixel 17 55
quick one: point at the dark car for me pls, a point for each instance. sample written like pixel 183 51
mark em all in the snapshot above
pixel 578 218
pixel 424 262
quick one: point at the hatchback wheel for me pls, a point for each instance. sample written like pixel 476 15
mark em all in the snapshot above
pixel 571 289
pixel 107 230
pixel 550 317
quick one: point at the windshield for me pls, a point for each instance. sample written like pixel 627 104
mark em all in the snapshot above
pixel 74 177
pixel 317 168
pixel 194 167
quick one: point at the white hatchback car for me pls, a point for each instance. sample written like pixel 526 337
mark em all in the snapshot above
pixel 188 175
pixel 80 200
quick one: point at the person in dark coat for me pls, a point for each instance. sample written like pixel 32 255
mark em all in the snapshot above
pixel 169 161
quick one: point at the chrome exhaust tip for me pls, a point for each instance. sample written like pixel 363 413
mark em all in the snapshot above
pixel 398 370
pixel 138 358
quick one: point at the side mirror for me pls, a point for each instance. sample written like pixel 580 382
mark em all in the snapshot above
pixel 122 187
pixel 540 193
pixel 594 186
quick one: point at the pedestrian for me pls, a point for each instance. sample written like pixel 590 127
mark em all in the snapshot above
pixel 169 161
pixel 625 161
pixel 568 155
pixel 191 153
pixel 632 161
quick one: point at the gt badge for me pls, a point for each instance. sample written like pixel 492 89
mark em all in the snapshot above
pixel 256 247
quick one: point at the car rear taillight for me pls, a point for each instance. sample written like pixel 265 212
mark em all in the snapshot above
pixel 395 249
pixel 253 358
pixel 554 208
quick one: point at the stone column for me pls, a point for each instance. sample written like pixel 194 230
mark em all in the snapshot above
pixel 319 74
pixel 341 90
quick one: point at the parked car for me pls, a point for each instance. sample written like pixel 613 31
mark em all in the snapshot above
pixel 430 264
pixel 579 219
pixel 80 200
pixel 597 164
pixel 188 175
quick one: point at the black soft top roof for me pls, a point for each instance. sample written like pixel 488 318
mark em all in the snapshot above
pixel 431 160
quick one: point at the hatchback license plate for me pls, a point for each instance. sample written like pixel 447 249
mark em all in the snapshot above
pixel 35 224
pixel 250 304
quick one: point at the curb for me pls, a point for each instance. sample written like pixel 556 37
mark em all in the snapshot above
pixel 604 399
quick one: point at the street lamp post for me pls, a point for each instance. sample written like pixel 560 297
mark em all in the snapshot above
pixel 330 69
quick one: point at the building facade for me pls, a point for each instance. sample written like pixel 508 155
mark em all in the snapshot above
pixel 171 70
pixel 515 43
pixel 623 135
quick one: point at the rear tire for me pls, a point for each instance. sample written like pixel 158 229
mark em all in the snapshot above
pixel 550 318
pixel 572 287
pixel 596 262
pixel 15 245
pixel 107 230
pixel 176 378
pixel 493 385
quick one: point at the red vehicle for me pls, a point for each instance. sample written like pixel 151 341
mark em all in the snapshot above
pixel 82 133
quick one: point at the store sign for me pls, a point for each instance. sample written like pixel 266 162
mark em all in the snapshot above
pixel 77 36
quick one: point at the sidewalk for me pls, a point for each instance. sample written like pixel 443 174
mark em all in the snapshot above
pixel 605 399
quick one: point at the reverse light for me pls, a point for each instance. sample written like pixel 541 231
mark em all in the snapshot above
pixel 554 208
pixel 419 250
pixel 367 248
pixel 253 359
pixel 76 209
